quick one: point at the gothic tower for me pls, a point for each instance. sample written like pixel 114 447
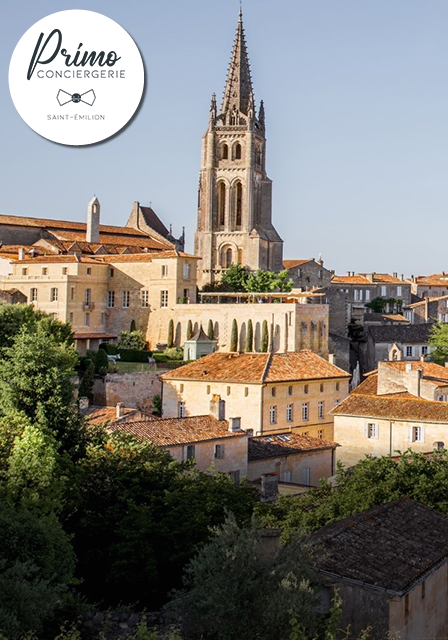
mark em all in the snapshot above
pixel 234 199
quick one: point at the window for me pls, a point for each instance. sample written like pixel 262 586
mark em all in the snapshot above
pixel 238 203
pixel 64 271
pixel 228 258
pixel 383 290
pixel 273 415
pixel 399 291
pixel 187 294
pixel 72 293
pixel 273 392
pixel 145 298
pixel 371 430
pixel 164 298
pixel 246 391
pixel 320 434
pixel 286 476
pixel 102 317
pixel 44 271
pixel 224 152
pixel 222 410
pixel 321 387
pixel 219 451
pixel 290 391
pixel 289 413
pixel 54 295
pixel 111 273
pixel 181 409
pixel 125 299
pixel 24 271
pixel 235 475
pixel 409 352
pixel 187 271
pixel 164 270
pixel 424 350
pixel 181 388
pixel 417 434
pixel 299 273
pixel 306 476
pixel 190 451
pixel 423 589
pixel 320 274
pixel 320 410
pixel 111 299
pixel 305 411
pixel 87 319
pixel 228 391
pixel 208 389
pixel 89 271
pixel 305 389
pixel 88 296
pixel 33 295
pixel 367 295
pixel 71 317
pixel 406 604
pixel 238 151
pixel 336 402
pixel 337 386
pixel 222 203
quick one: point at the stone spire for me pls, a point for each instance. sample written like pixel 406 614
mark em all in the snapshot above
pixel 238 93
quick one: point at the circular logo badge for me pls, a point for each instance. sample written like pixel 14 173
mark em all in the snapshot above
pixel 76 77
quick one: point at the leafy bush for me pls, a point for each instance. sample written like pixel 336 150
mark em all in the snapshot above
pixel 86 386
pixel 132 340
pixel 175 353
pixel 101 362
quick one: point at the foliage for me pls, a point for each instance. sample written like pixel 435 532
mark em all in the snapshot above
pixel 37 565
pixel 264 337
pixel 101 362
pixel 134 340
pixel 210 330
pixel 250 337
pixel 284 282
pixel 234 336
pixel 379 304
pixel 238 279
pixel 170 341
pixel 137 517
pixel 234 590
pixel 86 385
pixel 133 326
pixel 189 330
pixel 13 317
pixel 157 405
pixel 438 339
pixel 372 482
pixel 235 278
pixel 175 353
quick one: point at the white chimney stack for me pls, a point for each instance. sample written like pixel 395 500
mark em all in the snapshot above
pixel 21 253
pixel 93 221
pixel 119 410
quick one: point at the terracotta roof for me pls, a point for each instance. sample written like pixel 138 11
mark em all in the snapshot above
pixel 257 368
pixel 409 333
pixel 146 257
pixel 383 278
pixel 141 241
pixel 285 444
pixel 93 336
pixel 290 264
pixel 396 317
pixel 429 298
pixel 430 370
pixel 59 258
pixel 350 280
pixel 393 546
pixel 165 432
pixel 384 317
pixel 100 415
pixel 437 279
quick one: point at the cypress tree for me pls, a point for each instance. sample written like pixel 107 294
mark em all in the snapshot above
pixel 86 387
pixel 234 337
pixel 189 330
pixel 210 332
pixel 133 326
pixel 264 337
pixel 250 337
pixel 170 341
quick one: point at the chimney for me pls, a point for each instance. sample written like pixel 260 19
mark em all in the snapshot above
pixel 331 358
pixel 215 404
pixel 21 253
pixel 414 378
pixel 395 274
pixel 402 277
pixel 119 410
pixel 93 221
pixel 369 276
pixel 234 425
pixel 349 273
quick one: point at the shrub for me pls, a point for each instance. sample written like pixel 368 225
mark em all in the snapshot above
pixel 132 340
pixel 175 353
pixel 101 362
pixel 250 337
pixel 157 405
pixel 86 387
pixel 210 330
pixel 189 330
pixel 234 337
pixel 264 337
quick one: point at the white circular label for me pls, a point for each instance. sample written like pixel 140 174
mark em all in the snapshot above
pixel 76 77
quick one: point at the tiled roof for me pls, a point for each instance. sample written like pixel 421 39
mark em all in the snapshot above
pixel 257 368
pixel 409 333
pixel 393 546
pixel 286 444
pixel 59 258
pixel 290 264
pixel 430 370
pixel 361 278
pixel 79 335
pixel 350 280
pixel 146 257
pixel 430 299
pixel 385 317
pixel 141 241
pixel 68 225
pixel 153 220
pixel 437 279
pixel 383 278
pixel 396 317
pixel 165 432
pixel 99 415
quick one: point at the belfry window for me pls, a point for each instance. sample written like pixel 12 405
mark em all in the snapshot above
pixel 224 152
pixel 238 151
pixel 222 203
pixel 228 257
pixel 238 203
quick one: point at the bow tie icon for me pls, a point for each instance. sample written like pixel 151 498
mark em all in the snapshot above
pixel 88 97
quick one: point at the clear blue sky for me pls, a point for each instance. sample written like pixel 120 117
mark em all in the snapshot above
pixel 356 97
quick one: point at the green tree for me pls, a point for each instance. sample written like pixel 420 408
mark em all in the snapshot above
pixel 15 316
pixel 234 590
pixel 438 340
pixel 264 337
pixel 234 278
pixel 133 326
pixel 210 330
pixel 284 282
pixel 157 405
pixel 262 282
pixel 234 336
pixel 189 330
pixel 250 337
pixel 101 362
pixel 88 379
pixel 170 341
pixel 37 566
pixel 132 340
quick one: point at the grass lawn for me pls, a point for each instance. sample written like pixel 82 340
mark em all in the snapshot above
pixel 133 367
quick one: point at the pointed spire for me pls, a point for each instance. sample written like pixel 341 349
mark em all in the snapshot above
pixel 238 93
pixel 261 114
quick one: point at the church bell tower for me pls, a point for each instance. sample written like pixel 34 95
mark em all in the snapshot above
pixel 234 199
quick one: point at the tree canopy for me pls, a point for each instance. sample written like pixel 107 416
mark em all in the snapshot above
pixel 438 339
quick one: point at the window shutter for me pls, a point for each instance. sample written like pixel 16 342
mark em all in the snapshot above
pixel 422 431
pixel 410 434
pixel 376 432
pixel 366 430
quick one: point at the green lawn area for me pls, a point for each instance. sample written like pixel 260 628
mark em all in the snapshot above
pixel 133 367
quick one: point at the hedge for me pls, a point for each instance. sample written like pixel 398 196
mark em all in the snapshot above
pixel 127 355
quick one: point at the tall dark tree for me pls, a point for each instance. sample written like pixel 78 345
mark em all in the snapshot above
pixel 234 336
pixel 210 330
pixel 170 341
pixel 250 337
pixel 264 337
pixel 189 330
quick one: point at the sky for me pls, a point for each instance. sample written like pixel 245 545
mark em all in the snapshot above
pixel 356 99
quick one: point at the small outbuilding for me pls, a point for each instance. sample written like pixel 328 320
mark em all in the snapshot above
pixel 198 345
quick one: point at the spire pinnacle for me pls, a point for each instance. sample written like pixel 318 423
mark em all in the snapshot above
pixel 238 92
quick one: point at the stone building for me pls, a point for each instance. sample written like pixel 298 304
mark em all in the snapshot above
pixel 429 286
pixel 308 274
pixel 389 565
pixel 402 405
pixel 234 199
pixel 406 341
pixel 279 392
pixel 431 309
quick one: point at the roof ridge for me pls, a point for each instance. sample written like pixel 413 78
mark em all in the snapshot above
pixel 266 367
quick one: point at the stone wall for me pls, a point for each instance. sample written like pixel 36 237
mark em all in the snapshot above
pixel 320 464
pixel 134 390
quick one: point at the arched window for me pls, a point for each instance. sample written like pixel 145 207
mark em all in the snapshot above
pixel 238 151
pixel 238 203
pixel 228 257
pixel 221 203
pixel 224 152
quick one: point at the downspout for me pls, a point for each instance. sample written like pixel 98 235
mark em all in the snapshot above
pixel 390 437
